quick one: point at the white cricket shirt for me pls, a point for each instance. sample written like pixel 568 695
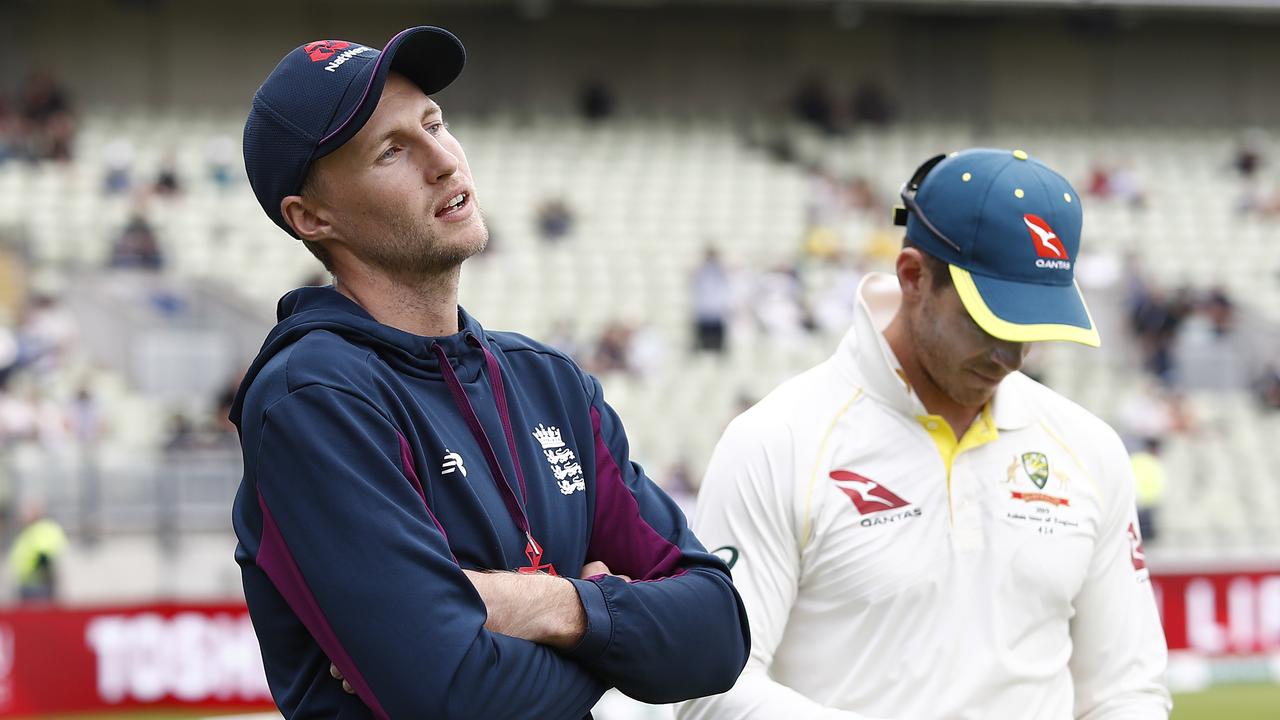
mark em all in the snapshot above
pixel 890 571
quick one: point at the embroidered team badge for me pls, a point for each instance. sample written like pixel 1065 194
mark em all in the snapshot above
pixel 564 464
pixel 1036 466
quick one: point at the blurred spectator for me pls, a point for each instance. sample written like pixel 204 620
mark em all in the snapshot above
pixel 11 145
pixel 1117 183
pixel 85 416
pixel 646 350
pixel 35 555
pixel 825 206
pixel 612 351
pixel 167 184
pixel 46 333
pixel 595 101
pixel 117 156
pixel 183 434
pixel 677 481
pixel 1126 186
pixel 1149 486
pixel 862 195
pixel 1220 310
pixel 8 354
pixel 711 303
pixel 834 304
pixel 1249 155
pixel 42 98
pixel 1155 319
pixel 59 133
pixel 137 246
pixel 555 220
pixel 220 156
pixel 1268 388
pixel 564 339
pixel 46 116
pixel 779 307
pixel 871 105
pixel 812 105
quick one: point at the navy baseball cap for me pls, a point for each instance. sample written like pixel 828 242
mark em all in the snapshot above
pixel 322 93
pixel 1009 228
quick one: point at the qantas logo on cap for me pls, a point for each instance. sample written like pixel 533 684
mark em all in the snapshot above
pixel 1053 255
pixel 322 50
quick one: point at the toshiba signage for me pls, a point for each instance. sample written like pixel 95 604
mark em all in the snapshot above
pixel 158 656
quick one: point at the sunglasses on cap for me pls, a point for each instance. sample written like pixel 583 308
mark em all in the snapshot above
pixel 908 195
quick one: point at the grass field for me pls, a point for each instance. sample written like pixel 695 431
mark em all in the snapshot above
pixel 1228 702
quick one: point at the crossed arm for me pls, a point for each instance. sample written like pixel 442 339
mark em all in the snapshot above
pixel 679 631
pixel 536 607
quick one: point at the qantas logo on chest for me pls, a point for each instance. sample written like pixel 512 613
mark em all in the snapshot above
pixel 871 498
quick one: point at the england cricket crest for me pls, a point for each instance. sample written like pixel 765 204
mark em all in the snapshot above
pixel 1036 466
pixel 564 463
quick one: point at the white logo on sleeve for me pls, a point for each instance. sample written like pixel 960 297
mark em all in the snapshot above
pixel 564 464
pixel 452 463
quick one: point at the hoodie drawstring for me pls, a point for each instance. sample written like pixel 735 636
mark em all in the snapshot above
pixel 533 550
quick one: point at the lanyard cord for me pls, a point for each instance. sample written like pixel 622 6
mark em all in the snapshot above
pixel 482 438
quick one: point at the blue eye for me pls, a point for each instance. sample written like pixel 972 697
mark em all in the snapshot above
pixel 389 153
pixel 436 127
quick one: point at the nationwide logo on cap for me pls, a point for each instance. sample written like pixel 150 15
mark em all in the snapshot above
pixel 1052 254
pixel 322 50
pixel 336 52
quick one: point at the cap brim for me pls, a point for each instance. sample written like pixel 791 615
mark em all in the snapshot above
pixel 1026 312
pixel 430 57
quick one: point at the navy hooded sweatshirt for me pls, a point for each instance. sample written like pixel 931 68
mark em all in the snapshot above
pixel 379 464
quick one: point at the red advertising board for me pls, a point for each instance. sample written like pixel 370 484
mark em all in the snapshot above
pixel 206 656
pixel 155 656
pixel 1220 613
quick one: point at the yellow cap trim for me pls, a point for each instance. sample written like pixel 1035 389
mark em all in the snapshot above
pixel 1020 154
pixel 1013 332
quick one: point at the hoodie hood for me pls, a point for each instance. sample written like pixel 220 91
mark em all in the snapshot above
pixel 309 309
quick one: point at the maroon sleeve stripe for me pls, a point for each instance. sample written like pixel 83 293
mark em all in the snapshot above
pixel 620 536
pixel 278 563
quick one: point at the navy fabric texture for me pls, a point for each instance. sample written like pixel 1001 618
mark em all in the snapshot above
pixel 365 495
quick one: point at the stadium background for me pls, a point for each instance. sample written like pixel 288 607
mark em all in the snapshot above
pixel 613 142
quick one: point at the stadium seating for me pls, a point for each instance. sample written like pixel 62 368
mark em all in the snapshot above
pixel 649 194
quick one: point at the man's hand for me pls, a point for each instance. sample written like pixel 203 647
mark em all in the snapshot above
pixel 595 567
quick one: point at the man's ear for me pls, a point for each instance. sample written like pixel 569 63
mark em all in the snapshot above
pixel 307 219
pixel 913 274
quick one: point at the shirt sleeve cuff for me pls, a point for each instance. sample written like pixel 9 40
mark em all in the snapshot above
pixel 599 621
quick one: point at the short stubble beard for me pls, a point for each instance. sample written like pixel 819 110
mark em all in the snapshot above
pixel 410 253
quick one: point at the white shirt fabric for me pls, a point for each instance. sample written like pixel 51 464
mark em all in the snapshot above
pixel 1012 586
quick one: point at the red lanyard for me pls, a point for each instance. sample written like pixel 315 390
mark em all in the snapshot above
pixel 532 549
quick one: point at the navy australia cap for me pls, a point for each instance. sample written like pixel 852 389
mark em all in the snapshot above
pixel 322 93
pixel 1009 227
